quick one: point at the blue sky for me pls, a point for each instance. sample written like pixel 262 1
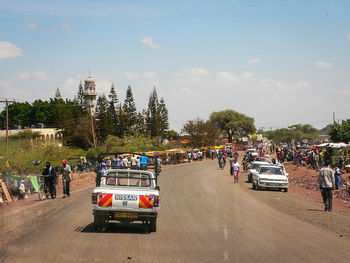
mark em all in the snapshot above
pixel 281 62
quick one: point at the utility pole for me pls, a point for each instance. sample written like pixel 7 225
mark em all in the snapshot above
pixel 6 101
pixel 93 130
pixel 333 118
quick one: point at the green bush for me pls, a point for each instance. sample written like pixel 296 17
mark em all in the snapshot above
pixel 20 156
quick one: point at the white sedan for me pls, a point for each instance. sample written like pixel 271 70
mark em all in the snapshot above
pixel 254 168
pixel 270 177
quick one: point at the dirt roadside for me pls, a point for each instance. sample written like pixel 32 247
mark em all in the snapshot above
pixel 305 204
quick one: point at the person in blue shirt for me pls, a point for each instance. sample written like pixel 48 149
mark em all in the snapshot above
pixel 144 162
pixel 100 169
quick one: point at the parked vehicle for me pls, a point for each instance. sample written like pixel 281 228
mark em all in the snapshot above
pixel 254 167
pixel 270 177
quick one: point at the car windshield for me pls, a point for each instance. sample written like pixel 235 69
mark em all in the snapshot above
pixel 257 165
pixel 128 179
pixel 271 170
pixel 262 159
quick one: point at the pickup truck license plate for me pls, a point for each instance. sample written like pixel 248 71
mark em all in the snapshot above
pixel 125 215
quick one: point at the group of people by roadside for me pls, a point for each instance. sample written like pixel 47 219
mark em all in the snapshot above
pixel 50 181
pixel 129 161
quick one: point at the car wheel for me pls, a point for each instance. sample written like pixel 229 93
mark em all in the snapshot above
pixel 286 190
pixel 99 222
pixel 153 225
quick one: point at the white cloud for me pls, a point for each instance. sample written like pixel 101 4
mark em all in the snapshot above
pixel 73 81
pixel 66 27
pixel 9 50
pixel 23 75
pixel 348 37
pixel 228 77
pixel 149 75
pixel 191 76
pixel 5 83
pixel 31 26
pixel 41 75
pixel 149 42
pixel 302 84
pixel 247 75
pixel 130 75
pixel 322 64
pixel 254 61
pixel 103 86
pixel 195 72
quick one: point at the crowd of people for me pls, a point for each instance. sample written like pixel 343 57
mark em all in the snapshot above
pixel 327 161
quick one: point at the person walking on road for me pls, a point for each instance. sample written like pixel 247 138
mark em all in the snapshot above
pixel 326 182
pixel 66 177
pixel 235 166
pixel 50 173
pixel 232 161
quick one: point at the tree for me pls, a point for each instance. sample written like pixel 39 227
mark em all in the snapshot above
pixel 103 122
pixel 80 98
pixel 172 135
pixel 140 126
pixel 112 111
pixel 153 118
pixel 201 133
pixel 19 113
pixel 296 132
pixel 163 117
pixel 234 124
pixel 130 113
pixel 340 133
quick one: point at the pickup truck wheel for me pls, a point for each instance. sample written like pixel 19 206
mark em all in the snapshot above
pixel 153 226
pixel 99 222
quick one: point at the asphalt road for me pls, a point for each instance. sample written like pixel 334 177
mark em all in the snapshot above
pixel 204 217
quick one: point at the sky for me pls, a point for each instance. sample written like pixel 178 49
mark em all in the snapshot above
pixel 280 62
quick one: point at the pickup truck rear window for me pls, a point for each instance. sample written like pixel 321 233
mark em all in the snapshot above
pixel 128 179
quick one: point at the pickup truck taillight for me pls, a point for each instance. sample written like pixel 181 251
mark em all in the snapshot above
pixel 94 198
pixel 156 201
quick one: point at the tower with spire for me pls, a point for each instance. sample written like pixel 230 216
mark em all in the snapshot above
pixel 90 93
pixel 58 94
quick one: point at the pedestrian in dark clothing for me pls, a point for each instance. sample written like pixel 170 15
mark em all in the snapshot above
pixel 326 182
pixel 51 177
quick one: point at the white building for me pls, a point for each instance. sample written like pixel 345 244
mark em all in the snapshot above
pixel 90 93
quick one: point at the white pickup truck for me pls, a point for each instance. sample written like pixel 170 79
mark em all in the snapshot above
pixel 126 195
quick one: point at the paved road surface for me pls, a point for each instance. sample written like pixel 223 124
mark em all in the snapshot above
pixel 204 217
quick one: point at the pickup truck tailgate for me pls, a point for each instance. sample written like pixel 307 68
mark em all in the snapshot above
pixel 126 199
